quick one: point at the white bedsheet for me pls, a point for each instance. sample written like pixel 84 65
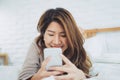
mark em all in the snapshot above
pixel 107 71
pixel 9 72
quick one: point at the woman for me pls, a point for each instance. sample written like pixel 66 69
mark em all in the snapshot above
pixel 57 28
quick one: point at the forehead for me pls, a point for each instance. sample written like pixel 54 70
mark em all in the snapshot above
pixel 54 26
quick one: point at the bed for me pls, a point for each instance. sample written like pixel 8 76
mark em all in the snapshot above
pixel 108 68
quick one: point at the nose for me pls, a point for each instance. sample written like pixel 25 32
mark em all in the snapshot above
pixel 57 40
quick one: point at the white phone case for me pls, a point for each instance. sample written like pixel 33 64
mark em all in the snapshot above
pixel 56 59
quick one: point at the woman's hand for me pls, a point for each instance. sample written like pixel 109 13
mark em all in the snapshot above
pixel 43 73
pixel 73 73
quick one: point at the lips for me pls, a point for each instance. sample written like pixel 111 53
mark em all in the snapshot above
pixel 57 46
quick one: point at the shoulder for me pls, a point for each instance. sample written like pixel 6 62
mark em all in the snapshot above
pixel 33 48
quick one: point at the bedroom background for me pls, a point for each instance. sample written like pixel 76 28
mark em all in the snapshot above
pixel 18 22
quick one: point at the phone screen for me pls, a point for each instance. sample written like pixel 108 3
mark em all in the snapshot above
pixel 54 53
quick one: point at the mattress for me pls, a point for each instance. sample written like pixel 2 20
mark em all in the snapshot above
pixel 107 71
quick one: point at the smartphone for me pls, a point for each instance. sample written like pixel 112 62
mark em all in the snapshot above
pixel 54 53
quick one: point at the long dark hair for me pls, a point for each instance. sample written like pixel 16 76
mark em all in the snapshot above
pixel 75 51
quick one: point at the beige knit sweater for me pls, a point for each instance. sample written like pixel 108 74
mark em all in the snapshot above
pixel 32 63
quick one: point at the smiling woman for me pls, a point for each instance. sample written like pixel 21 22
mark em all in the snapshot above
pixel 17 29
pixel 57 29
pixel 55 37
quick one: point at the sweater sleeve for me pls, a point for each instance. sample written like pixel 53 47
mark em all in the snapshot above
pixel 32 63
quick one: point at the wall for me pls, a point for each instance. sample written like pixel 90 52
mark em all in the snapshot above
pixel 18 21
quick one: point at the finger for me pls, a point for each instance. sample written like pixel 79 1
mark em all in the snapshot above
pixel 54 73
pixel 45 62
pixel 65 59
pixel 61 69
pixel 62 77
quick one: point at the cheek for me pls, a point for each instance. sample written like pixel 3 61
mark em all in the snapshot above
pixel 65 45
pixel 47 40
pixel 65 42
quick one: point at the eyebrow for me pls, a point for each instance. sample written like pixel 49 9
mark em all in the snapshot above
pixel 54 31
pixel 51 31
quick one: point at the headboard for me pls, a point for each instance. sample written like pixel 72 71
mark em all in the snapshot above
pixel 4 56
pixel 92 32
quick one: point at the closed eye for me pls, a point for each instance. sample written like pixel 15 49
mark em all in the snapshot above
pixel 50 34
pixel 63 35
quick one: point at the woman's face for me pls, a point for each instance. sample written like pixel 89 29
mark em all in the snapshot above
pixel 55 36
